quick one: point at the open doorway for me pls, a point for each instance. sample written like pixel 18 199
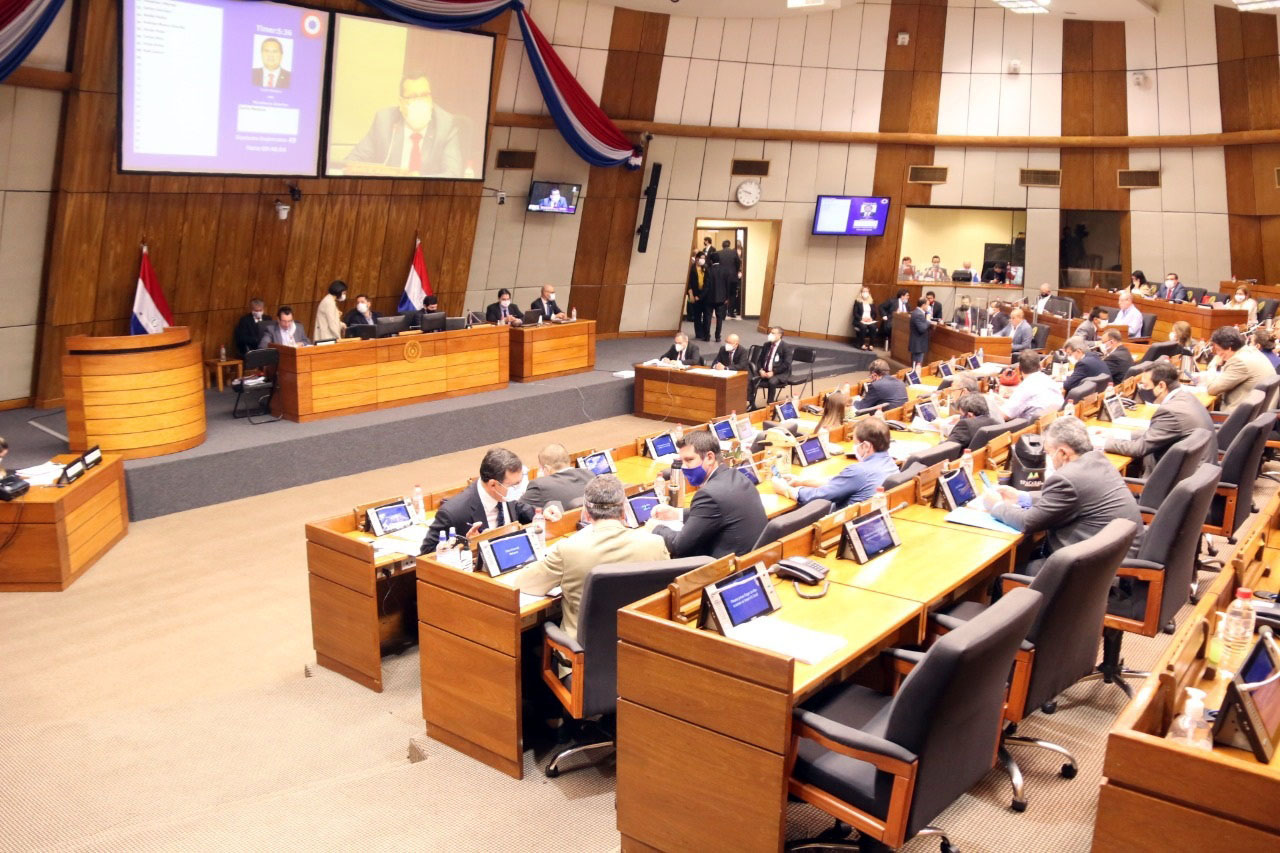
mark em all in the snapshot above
pixel 756 242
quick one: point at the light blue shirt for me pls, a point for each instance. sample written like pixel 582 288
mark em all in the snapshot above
pixel 857 482
pixel 1132 318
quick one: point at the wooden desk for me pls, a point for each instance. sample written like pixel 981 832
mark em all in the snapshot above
pixel 552 349
pixel 1060 329
pixel 218 368
pixel 687 397
pixel 134 395
pixel 61 532
pixel 352 375
pixel 946 343
pixel 1202 320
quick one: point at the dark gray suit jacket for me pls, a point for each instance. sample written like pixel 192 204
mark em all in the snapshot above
pixel 465 509
pixel 1173 421
pixel 564 486
pixel 271 335
pixel 384 143
pixel 918 343
pixel 1023 336
pixel 1075 503
pixel 725 517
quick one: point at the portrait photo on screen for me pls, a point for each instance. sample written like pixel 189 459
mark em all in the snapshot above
pixel 221 87
pixel 407 101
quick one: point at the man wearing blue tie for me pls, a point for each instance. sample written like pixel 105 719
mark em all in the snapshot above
pixel 503 312
pixel 546 304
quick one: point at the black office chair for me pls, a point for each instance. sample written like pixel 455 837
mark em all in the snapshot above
pixel 983 436
pixel 1179 461
pixel 1270 388
pixel 256 396
pixel 1233 420
pixel 1163 349
pixel 1153 583
pixel 887 765
pixel 1195 294
pixel 1267 309
pixel 1234 499
pixel 804 355
pixel 943 451
pixel 1148 326
pixel 590 689
pixel 789 522
pixel 908 473
pixel 1087 387
pixel 1040 338
pixel 1062 646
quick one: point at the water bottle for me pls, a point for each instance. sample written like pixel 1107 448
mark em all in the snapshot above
pixel 539 528
pixel 419 508
pixel 982 357
pixel 824 435
pixel 1237 632
pixel 966 462
pixel 1069 410
pixel 442 547
pixel 678 433
pixel 675 485
pixel 573 313
pixel 879 500
pixel 1190 728
pixel 222 353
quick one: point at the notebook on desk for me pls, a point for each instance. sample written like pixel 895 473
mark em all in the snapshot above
pixel 742 607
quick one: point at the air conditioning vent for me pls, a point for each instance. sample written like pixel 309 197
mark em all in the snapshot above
pixel 510 158
pixel 1137 179
pixel 927 174
pixel 1040 177
pixel 755 168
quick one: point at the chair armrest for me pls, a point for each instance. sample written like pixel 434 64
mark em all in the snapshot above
pixel 557 637
pixel 1129 563
pixel 883 754
pixel 1225 488
pixel 1013 580
pixel 945 622
pixel 1217 417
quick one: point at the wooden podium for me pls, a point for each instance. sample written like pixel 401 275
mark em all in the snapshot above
pixel 134 395
pixel 552 349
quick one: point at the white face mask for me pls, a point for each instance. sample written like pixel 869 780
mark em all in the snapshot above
pixel 1049 467
pixel 773 339
pixel 1170 283
pixel 516 492
pixel 418 114
pixel 1239 297
pixel 860 451
pixel 729 348
pixel 257 315
pixel 679 346
pixel 362 307
pixel 549 298
pixel 342 297
pixel 504 302
pixel 1173 336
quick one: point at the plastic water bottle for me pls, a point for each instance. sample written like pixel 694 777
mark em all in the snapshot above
pixel 442 547
pixel 573 313
pixel 1237 632
pixel 879 500
pixel 222 353
pixel 419 508
pixel 982 357
pixel 1190 728
pixel 966 461
pixel 1069 410
pixel 539 528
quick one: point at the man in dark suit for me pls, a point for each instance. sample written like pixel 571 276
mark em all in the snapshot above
pixel 558 481
pixel 1087 363
pixel 416 136
pixel 271 75
pixel 732 262
pixel 974 415
pixel 967 317
pixel 918 342
pixel 1116 355
pixel 1082 492
pixel 899 304
pixel 934 308
pixel 772 368
pixel 283 331
pixel 726 515
pixel 504 311
pixel 1178 412
pixel 682 351
pixel 1172 289
pixel 882 388
pixel 999 318
pixel 546 304
pixel 731 356
pixel 249 329
pixel 494 500
pixel 719 283
pixel 363 314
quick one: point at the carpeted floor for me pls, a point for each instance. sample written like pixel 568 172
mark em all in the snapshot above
pixel 161 704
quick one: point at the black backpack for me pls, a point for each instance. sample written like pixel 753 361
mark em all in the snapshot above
pixel 1026 463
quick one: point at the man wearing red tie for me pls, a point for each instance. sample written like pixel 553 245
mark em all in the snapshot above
pixel 271 75
pixel 418 137
pixel 968 317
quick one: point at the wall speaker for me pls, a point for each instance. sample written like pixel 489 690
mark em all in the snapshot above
pixel 650 196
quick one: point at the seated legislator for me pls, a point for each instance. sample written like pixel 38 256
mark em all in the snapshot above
pixel 725 516
pixel 999 319
pixel 1236 367
pixel 1242 301
pixel 969 383
pixel 934 272
pixel 250 327
pixel 882 389
pixel 503 311
pixel 998 274
pixel 1036 394
pixel 1092 325
pixel 772 368
pixel 1265 342
pixel 1115 355
pixel 1042 301
pixel 559 480
pixel 363 314
pixel 1085 362
pixel 1019 330
pixel 967 317
pixel 866 320
pixel 546 303
pixel 416 136
pixel 1082 492
pixel 975 414
pixel 1178 412
pixel 495 499
pixel 1127 314
pixel 605 541
pixel 1172 289
pixel 329 325
pixel 857 482
pixel 284 331
pixel 682 351
pixel 731 355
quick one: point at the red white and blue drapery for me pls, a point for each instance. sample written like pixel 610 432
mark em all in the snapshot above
pixel 579 119
pixel 22 24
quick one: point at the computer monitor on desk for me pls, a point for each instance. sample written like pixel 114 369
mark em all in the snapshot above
pixel 431 321
pixel 389 327
pixel 363 331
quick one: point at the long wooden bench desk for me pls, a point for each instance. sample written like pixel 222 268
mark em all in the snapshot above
pixel 1202 320
pixel 947 343
pixel 552 349
pixel 688 396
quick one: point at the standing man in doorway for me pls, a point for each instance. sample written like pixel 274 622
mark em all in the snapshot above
pixel 731 262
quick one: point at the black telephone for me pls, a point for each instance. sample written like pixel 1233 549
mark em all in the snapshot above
pixel 801 569
pixel 811 409
pixel 12 486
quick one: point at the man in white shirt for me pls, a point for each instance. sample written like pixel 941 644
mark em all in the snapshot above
pixel 1046 293
pixel 1128 315
pixel 934 272
pixel 271 75
pixel 1035 394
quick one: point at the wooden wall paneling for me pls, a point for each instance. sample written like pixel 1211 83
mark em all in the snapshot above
pixel 586 298
pixel 597 217
pixel 199 243
pixel 96 46
pixel 162 229
pixel 1263 90
pixel 237 223
pixel 1233 95
pixel 73 268
pixel 49 368
pixel 119 182
pixel 305 227
pixel 1258 35
pixel 1077 103
pixel 88 127
pixel 1240 180
pixel 1077 180
pixel 644 95
pixel 397 246
pixel 627 31
pixel 168 183
pixel 1077 46
pixel 267 261
pixel 904 17
pixel 433 225
pixel 895 104
pixel 620 79
pixel 881 264
pixel 1106 195
pixel 1110 102
pixel 1126 241
pixel 464 212
pixel 1108 46
pixel 1227 30
pixel 653 34
pixel 250 185
pixel 366 247
pixel 1269 233
pixel 1245 236
pixel 1265 160
pixel 923 114
pixel 339 230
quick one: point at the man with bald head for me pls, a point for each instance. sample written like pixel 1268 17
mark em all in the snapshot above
pixel 731 355
pixel 558 480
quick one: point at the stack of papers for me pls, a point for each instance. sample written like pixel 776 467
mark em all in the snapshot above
pixel 41 475
pixel 625 374
pixel 1132 423
pixel 971 517
pixel 711 371
pixel 900 449
pixel 803 644
pixel 405 541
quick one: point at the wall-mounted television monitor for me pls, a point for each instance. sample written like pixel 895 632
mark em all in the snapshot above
pixel 406 101
pixel 552 197
pixel 850 215
pixel 221 87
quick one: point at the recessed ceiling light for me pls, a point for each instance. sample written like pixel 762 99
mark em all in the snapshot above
pixel 1037 7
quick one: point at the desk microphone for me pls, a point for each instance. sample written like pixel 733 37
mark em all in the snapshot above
pixel 900 506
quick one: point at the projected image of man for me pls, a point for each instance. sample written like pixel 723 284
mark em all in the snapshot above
pixel 272 74
pixel 417 136
pixel 554 201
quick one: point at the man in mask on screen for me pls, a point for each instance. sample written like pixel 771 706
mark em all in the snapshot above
pixel 416 136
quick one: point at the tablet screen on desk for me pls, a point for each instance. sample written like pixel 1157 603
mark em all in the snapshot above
pixel 974 362
pixel 744 597
pixel 511 553
pixel 662 445
pixel 642 505
pixel 787 411
pixel 913 378
pixel 92 456
pixel 927 411
pixel 598 463
pixel 959 488
pixel 389 518
pixel 944 369
pixel 812 450
pixel 724 430
pixel 875 535
pixel 1115 408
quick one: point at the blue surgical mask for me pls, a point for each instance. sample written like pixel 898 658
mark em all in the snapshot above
pixel 696 475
